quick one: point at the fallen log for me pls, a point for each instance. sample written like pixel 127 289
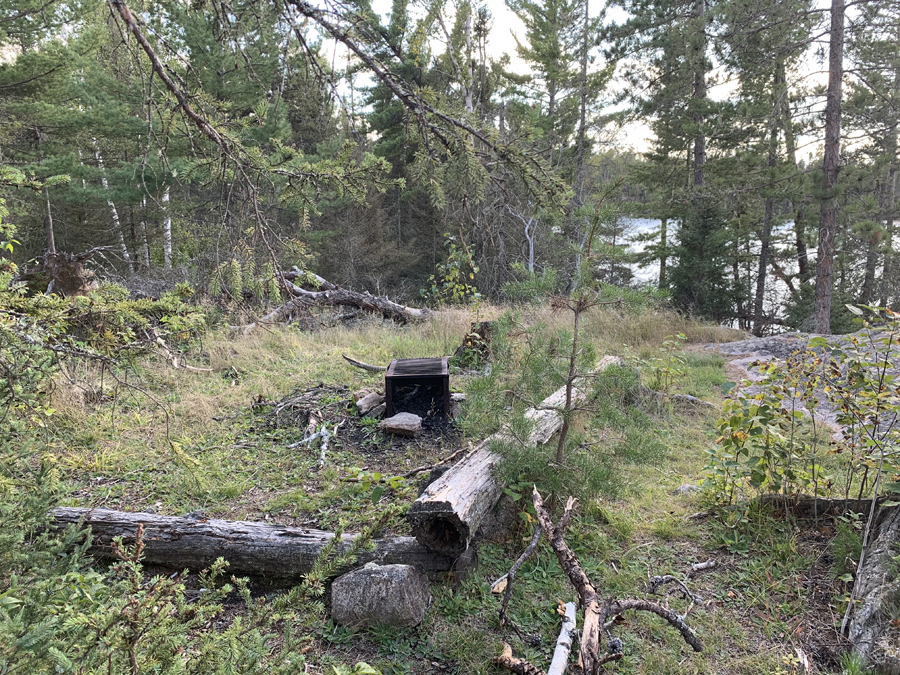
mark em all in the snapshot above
pixel 329 294
pixel 877 587
pixel 447 515
pixel 249 547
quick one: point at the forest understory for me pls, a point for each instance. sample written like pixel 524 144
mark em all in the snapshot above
pixel 216 445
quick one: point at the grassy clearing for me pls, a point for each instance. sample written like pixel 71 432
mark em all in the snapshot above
pixel 206 447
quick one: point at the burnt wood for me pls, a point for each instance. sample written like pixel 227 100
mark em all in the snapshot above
pixel 411 372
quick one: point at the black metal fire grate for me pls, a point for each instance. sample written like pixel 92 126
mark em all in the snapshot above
pixel 419 379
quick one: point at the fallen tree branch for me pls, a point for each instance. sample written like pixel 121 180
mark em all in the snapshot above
pixel 560 653
pixel 564 641
pixel 595 615
pixel 410 473
pixel 677 622
pixel 589 650
pixel 659 582
pixel 518 666
pixel 700 567
pixel 505 583
pixel 364 366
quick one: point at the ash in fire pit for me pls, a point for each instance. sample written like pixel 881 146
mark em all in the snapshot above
pixel 418 386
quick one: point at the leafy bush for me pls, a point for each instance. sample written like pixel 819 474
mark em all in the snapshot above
pixel 771 441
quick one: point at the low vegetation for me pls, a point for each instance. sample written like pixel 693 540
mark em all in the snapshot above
pixel 140 434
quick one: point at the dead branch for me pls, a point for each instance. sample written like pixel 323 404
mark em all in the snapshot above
pixel 364 366
pixel 700 567
pixel 677 622
pixel 564 641
pixel 506 581
pixel 659 582
pixel 518 666
pixel 595 615
pixel 589 650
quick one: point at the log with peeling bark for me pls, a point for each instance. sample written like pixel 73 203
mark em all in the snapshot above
pixel 249 547
pixel 447 515
pixel 877 588
pixel 330 294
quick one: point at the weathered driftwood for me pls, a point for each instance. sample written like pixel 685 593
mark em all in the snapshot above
pixel 249 548
pixel 877 588
pixel 447 515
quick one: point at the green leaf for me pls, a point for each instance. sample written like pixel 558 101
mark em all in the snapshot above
pixel 376 493
pixel 854 310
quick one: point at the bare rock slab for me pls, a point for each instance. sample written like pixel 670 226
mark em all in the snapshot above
pixel 368 402
pixel 402 424
pixel 380 595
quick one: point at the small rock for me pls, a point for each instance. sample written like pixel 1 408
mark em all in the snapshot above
pixel 368 402
pixel 386 595
pixel 377 411
pixel 456 401
pixel 362 393
pixel 402 424
pixel 687 489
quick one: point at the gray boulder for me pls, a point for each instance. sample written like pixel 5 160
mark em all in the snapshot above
pixel 386 595
pixel 402 424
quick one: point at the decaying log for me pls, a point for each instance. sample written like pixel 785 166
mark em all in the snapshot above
pixel 329 294
pixel 877 588
pixel 447 515
pixel 249 548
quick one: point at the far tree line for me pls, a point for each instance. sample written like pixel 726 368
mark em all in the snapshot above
pixel 218 142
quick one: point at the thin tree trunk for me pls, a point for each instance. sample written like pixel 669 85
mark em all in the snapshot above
pixel 145 237
pixel 765 235
pixel 582 121
pixel 889 275
pixel 699 95
pixel 790 143
pixel 830 169
pixel 117 224
pixel 663 244
pixel 48 225
pixel 470 65
pixel 167 232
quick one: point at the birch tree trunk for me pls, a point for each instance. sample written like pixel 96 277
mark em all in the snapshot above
pixel 167 231
pixel 117 224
